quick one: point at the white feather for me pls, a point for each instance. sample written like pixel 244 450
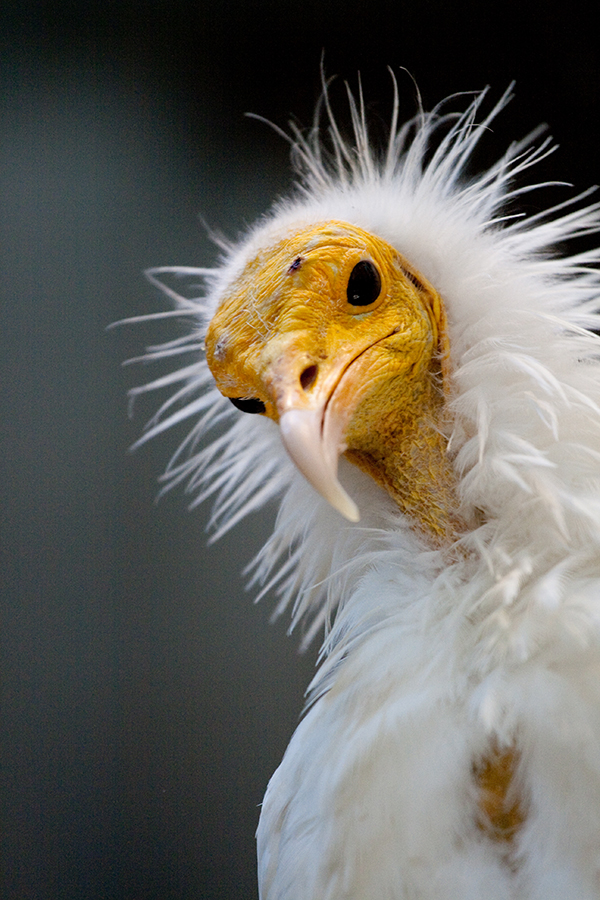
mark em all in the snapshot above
pixel 428 656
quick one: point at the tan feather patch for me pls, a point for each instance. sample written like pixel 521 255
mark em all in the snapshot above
pixel 501 810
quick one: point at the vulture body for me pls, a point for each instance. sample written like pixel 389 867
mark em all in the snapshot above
pixel 392 314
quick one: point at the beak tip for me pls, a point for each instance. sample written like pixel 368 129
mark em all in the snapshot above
pixel 301 435
pixel 349 510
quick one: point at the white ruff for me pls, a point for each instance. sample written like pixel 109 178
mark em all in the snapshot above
pixel 428 657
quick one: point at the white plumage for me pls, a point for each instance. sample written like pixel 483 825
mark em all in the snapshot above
pixel 435 659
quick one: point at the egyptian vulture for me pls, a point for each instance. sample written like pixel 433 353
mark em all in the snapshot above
pixel 399 357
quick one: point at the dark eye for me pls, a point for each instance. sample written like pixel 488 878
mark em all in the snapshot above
pixel 364 284
pixel 248 404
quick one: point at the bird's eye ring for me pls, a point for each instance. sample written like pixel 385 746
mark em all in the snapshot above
pixel 248 404
pixel 364 284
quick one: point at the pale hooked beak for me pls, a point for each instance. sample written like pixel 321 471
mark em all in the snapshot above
pixel 314 445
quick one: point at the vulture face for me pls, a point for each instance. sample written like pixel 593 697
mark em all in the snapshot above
pixel 333 335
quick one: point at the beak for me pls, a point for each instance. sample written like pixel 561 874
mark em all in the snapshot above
pixel 314 440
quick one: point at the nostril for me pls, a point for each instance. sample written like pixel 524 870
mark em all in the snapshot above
pixel 308 377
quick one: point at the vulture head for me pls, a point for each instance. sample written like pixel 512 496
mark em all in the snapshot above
pixel 330 332
pixel 401 360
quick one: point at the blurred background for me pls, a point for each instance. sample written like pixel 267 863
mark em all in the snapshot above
pixel 145 700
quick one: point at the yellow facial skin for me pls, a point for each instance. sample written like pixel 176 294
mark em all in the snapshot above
pixel 368 380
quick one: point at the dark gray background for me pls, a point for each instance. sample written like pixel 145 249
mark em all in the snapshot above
pixel 145 699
